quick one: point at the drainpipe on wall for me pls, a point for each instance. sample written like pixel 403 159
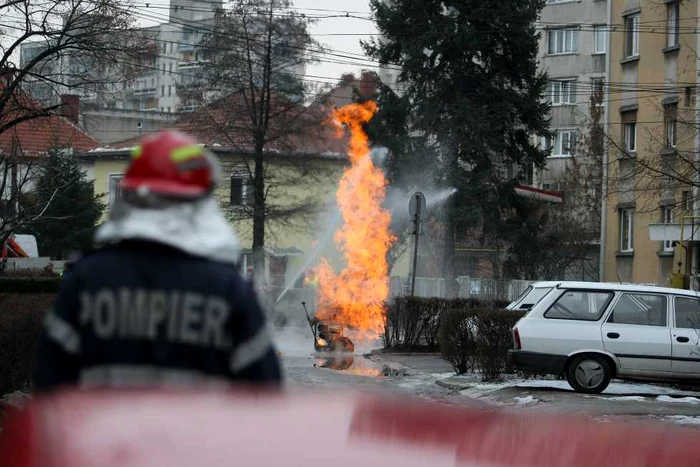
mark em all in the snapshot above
pixel 606 130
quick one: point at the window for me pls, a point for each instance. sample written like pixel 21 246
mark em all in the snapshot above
pixel 168 109
pixel 580 305
pixel 632 36
pixel 672 24
pixel 562 41
pixel 562 92
pixel 640 309
pixel 626 230
pixel 687 313
pixel 163 68
pixel 630 136
pixel 532 297
pixel 685 201
pixel 170 90
pixel 115 188
pixel 162 90
pixel 170 68
pixel 598 89
pixel 667 218
pixel 564 143
pixel 671 124
pixel 241 191
pixel 600 39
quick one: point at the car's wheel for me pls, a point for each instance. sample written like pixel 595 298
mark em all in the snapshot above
pixel 589 374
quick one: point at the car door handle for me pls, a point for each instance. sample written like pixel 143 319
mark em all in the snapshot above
pixel 613 335
pixel 683 339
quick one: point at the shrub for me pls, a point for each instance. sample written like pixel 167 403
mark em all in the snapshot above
pixel 29 285
pixel 478 339
pixel 413 323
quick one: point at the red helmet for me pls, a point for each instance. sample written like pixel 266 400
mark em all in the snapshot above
pixel 170 163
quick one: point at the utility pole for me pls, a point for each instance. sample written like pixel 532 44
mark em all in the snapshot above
pixel 416 208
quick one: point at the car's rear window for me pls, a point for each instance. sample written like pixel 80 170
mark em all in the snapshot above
pixel 531 297
pixel 582 305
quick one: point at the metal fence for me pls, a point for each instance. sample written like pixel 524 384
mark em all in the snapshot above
pixel 468 287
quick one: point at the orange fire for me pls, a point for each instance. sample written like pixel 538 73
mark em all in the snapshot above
pixel 355 297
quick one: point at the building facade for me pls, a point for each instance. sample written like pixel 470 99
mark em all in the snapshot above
pixel 573 45
pixel 652 157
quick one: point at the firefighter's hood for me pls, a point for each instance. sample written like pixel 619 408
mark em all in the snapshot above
pixel 197 228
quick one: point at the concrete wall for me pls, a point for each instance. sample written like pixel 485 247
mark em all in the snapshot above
pixel 113 125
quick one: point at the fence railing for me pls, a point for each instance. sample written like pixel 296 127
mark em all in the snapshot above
pixel 468 287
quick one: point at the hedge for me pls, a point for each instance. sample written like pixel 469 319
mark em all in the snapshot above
pixel 20 327
pixel 478 339
pixel 29 285
pixel 413 323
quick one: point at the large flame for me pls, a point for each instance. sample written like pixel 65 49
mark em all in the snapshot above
pixel 356 296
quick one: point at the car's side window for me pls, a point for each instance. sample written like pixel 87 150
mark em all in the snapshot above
pixel 640 309
pixel 687 312
pixel 584 305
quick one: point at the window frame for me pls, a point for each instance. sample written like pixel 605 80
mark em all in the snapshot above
pixel 557 87
pixel 630 137
pixel 667 218
pixel 631 42
pixel 599 29
pixel 619 297
pixel 603 310
pixel 675 320
pixel 671 126
pixel 112 179
pixel 564 31
pixel 628 215
pixel 246 193
pixel 557 145
pixel 672 24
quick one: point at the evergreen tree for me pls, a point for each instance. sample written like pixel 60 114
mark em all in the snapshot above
pixel 468 70
pixel 65 205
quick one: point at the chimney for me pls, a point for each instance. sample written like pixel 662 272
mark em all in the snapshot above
pixel 70 107
pixel 368 85
pixel 347 78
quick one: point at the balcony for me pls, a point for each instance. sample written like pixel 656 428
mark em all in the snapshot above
pixel 144 92
pixel 190 64
pixel 185 47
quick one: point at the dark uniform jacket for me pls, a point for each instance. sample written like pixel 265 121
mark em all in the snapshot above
pixel 142 312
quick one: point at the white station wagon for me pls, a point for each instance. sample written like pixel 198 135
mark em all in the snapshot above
pixel 592 332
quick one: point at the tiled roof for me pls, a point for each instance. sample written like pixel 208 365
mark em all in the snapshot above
pixel 37 136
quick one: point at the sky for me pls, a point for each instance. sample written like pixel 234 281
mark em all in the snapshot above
pixel 340 35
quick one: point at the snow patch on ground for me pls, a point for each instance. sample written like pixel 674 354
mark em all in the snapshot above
pixel 526 400
pixel 625 398
pixel 686 400
pixel 683 419
pixel 615 388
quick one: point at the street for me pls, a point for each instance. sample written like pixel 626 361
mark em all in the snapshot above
pixel 430 377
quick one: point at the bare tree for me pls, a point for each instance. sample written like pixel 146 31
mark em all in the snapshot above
pixel 250 97
pixel 49 48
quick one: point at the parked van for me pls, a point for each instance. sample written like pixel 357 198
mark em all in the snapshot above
pixel 592 332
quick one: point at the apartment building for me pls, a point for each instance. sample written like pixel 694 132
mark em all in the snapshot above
pixel 573 47
pixel 652 158
pixel 155 89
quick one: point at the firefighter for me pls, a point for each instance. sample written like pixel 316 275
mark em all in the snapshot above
pixel 163 302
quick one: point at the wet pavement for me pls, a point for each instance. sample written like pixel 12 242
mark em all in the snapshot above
pixel 427 376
